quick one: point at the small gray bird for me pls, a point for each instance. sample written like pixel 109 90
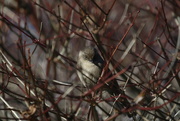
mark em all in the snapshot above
pixel 90 65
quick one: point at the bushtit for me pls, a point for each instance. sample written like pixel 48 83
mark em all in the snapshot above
pixel 90 65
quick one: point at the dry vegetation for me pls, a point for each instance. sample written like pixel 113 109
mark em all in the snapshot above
pixel 40 41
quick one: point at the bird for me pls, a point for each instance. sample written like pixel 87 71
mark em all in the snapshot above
pixel 90 65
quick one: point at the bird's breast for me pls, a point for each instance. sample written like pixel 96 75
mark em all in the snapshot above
pixel 91 73
pixel 91 69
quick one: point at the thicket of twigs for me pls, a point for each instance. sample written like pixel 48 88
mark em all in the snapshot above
pixel 40 41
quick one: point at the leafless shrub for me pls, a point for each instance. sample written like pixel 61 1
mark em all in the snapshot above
pixel 40 41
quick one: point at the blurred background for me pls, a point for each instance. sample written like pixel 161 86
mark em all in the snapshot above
pixel 39 45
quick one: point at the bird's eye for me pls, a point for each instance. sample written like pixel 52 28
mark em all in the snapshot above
pixel 86 57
